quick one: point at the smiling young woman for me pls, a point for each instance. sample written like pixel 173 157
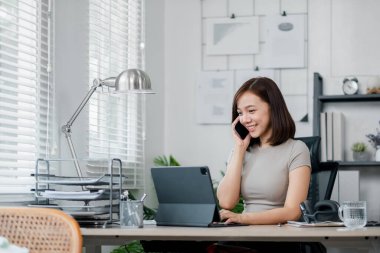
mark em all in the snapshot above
pixel 268 168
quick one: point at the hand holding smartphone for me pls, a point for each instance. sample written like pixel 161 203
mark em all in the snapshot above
pixel 241 130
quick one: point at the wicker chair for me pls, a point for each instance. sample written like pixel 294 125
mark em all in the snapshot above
pixel 40 229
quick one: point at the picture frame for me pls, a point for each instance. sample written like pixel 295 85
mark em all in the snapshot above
pixel 214 93
pixel 229 36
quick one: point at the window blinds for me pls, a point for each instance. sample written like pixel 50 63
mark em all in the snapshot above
pixel 116 123
pixel 26 93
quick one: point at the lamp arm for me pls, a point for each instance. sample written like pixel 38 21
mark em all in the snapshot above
pixel 73 154
pixel 66 129
pixel 82 104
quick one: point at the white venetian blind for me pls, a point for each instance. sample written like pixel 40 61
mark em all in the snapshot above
pixel 26 94
pixel 116 123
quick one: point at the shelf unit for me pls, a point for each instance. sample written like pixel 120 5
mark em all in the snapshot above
pixel 320 99
pixel 357 163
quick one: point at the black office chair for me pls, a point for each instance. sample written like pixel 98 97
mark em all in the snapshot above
pixel 323 175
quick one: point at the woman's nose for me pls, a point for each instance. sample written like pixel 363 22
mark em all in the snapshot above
pixel 245 118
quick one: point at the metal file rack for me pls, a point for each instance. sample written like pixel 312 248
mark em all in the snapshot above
pixel 98 196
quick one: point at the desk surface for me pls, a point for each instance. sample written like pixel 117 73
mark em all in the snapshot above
pixel 242 233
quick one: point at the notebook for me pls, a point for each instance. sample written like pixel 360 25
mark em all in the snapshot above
pixel 186 197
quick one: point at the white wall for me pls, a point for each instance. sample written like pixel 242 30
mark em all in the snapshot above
pixel 71 72
pixel 190 143
pixel 194 144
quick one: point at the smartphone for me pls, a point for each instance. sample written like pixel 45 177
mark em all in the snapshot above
pixel 241 130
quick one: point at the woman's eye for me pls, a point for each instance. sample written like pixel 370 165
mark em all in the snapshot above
pixel 251 111
pixel 239 113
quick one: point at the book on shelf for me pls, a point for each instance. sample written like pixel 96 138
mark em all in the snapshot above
pixel 332 136
pixel 329 136
pixel 338 136
pixel 323 137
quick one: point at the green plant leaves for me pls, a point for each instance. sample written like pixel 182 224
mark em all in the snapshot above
pixel 165 161
pixel 132 247
pixel 359 147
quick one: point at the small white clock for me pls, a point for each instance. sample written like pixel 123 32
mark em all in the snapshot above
pixel 350 86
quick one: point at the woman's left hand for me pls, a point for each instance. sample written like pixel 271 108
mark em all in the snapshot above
pixel 230 217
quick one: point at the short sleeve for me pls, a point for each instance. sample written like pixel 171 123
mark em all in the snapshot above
pixel 300 156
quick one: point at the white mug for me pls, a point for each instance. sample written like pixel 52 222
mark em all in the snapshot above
pixel 353 214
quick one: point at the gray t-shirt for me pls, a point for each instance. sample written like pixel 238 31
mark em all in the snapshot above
pixel 265 175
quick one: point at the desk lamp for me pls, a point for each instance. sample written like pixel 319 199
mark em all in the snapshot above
pixel 128 81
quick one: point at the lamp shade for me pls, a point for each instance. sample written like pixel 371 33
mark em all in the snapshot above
pixel 133 81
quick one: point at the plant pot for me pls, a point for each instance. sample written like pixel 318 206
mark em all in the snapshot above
pixel 360 156
pixel 377 155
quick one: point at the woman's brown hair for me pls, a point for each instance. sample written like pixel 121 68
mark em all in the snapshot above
pixel 282 123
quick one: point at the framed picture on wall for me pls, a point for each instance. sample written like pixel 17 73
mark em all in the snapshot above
pixel 285 42
pixel 226 36
pixel 214 97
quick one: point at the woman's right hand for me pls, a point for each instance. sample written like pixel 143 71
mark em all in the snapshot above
pixel 244 143
pixel 229 187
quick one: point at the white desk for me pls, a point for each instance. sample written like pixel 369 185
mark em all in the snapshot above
pixel 93 238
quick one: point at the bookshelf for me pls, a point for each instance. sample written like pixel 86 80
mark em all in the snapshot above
pixel 320 99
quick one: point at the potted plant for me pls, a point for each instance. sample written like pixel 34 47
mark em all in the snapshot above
pixel 359 151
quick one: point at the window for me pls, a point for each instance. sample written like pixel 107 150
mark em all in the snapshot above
pixel 116 124
pixel 26 94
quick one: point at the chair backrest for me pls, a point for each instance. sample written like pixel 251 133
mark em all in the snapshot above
pixel 40 229
pixel 323 174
